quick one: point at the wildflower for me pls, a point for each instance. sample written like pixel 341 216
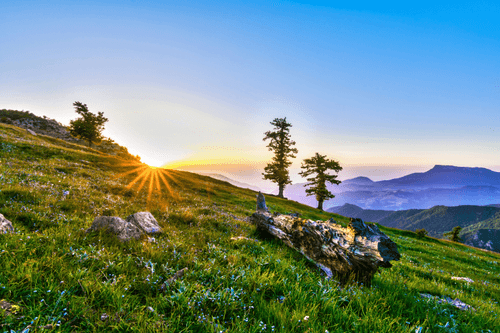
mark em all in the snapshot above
pixel 306 318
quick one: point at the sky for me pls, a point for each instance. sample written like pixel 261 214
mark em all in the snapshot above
pixel 384 88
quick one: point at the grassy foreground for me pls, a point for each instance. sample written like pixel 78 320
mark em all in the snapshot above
pixel 59 278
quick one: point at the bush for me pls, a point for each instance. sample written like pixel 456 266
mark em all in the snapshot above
pixel 453 235
pixel 5 120
pixel 421 233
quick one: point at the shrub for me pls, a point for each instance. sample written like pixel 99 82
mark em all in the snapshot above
pixel 421 233
pixel 453 235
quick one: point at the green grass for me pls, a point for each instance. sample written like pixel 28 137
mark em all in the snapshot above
pixel 59 275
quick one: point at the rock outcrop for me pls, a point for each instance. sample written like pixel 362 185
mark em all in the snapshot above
pixel 355 252
pixel 132 227
pixel 488 239
pixel 5 225
pixel 261 203
pixel 45 126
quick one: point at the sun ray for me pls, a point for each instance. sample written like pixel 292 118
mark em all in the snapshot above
pixel 139 177
pixel 152 178
pixel 157 181
pixel 164 181
pixel 147 175
pixel 123 174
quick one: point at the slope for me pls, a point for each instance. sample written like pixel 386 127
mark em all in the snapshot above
pixel 62 278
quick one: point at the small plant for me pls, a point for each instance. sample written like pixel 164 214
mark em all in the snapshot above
pixel 453 235
pixel 421 233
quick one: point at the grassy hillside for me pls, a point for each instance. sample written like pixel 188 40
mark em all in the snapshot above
pixel 60 278
pixel 440 219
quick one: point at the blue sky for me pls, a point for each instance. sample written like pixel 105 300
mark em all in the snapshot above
pixel 384 88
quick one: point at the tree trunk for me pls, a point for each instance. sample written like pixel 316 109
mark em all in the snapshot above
pixel 280 193
pixel 320 205
pixel 355 252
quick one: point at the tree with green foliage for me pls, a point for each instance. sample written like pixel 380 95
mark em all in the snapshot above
pixel 89 126
pixel 421 233
pixel 453 234
pixel 281 144
pixel 320 166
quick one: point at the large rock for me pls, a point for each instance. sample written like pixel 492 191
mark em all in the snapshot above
pixel 261 202
pixel 355 252
pixel 132 227
pixel 5 225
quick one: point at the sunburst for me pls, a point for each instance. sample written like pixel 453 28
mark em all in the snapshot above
pixel 156 179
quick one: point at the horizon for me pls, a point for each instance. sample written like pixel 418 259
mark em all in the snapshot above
pixel 386 90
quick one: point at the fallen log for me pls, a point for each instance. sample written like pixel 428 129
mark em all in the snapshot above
pixel 355 252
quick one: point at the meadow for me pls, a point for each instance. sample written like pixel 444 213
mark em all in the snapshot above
pixel 60 278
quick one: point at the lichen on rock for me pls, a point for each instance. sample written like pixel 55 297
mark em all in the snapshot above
pixel 355 252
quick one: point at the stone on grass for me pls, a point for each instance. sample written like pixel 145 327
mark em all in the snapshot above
pixel 261 203
pixel 31 132
pixel 466 279
pixel 355 252
pixel 9 308
pixel 454 302
pixel 175 277
pixel 132 227
pixel 5 225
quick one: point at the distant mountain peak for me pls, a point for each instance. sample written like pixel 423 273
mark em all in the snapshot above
pixel 358 180
pixel 444 167
pixel 439 167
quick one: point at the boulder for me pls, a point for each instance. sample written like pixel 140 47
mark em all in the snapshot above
pixel 132 227
pixel 261 202
pixel 5 225
pixel 31 132
pixel 355 252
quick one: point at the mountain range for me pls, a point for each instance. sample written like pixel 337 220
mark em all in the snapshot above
pixel 480 224
pixel 442 185
pixel 230 181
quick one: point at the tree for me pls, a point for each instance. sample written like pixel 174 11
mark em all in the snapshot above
pixel 89 126
pixel 320 165
pixel 281 144
pixel 421 233
pixel 453 234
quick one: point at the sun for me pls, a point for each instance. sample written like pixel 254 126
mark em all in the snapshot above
pixel 155 179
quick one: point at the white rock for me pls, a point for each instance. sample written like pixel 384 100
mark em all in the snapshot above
pixel 5 225
pixel 133 227
pixel 466 279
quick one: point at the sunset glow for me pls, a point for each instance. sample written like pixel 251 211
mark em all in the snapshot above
pixel 196 84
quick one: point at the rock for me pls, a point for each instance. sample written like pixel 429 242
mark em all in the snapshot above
pixel 145 221
pixel 455 302
pixel 5 225
pixel 175 277
pixel 133 227
pixel 261 203
pixel 466 279
pixel 354 252
pixel 31 132
pixel 488 239
pixel 9 308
